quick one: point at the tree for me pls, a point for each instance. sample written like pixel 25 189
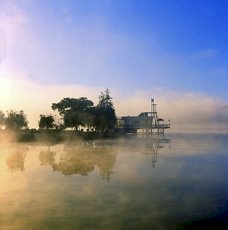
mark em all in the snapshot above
pixel 105 100
pixel 75 112
pixel 46 122
pixel 2 119
pixel 16 120
pixel 105 117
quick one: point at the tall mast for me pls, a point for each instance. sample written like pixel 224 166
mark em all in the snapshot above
pixel 151 110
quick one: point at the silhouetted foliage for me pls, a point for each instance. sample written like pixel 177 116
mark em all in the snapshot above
pixel 16 120
pixel 105 117
pixel 27 135
pixel 75 112
pixel 105 100
pixel 81 112
pixel 46 122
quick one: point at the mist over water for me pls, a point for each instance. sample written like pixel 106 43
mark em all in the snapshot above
pixel 130 183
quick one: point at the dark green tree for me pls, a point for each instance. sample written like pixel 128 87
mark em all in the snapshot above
pixel 104 112
pixel 2 119
pixel 75 112
pixel 105 100
pixel 46 122
pixel 16 120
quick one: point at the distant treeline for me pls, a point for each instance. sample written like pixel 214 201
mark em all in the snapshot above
pixel 75 114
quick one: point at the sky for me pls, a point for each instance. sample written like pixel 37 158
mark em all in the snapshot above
pixel 173 51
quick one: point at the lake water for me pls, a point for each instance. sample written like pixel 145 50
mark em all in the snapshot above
pixel 133 183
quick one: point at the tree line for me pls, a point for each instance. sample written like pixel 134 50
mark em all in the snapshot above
pixel 74 113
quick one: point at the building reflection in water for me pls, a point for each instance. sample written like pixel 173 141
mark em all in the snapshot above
pixel 152 146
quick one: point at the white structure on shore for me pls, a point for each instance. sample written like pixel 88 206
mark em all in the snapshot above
pixel 145 122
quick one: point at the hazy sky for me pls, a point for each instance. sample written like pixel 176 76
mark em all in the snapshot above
pixel 175 51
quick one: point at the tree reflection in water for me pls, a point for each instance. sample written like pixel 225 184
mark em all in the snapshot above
pixel 16 158
pixel 47 157
pixel 81 159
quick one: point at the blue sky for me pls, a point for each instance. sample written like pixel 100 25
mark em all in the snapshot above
pixel 133 47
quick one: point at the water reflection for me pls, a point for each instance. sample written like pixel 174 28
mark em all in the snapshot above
pixel 189 183
pixel 153 146
pixel 81 159
pixel 16 158
pixel 47 157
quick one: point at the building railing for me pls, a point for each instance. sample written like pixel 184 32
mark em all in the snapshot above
pixel 144 126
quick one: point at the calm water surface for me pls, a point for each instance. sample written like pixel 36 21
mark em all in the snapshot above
pixel 130 183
